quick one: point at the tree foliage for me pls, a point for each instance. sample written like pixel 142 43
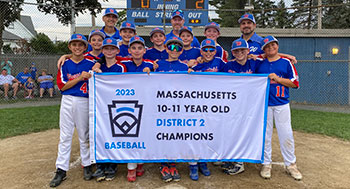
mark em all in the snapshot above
pixel 282 16
pixel 121 18
pixel 266 18
pixel 228 18
pixel 338 16
pixel 305 18
pixel 10 11
pixel 42 44
pixel 62 10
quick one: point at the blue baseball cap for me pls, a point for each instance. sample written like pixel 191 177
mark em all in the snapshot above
pixel 268 39
pixel 178 13
pixel 155 30
pixel 111 11
pixel 239 44
pixel 78 37
pixel 110 42
pixel 96 32
pixel 247 16
pixel 128 25
pixel 212 25
pixel 208 43
pixel 186 28
pixel 137 39
pixel 175 39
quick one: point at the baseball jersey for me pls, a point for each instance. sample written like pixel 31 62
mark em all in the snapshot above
pixel 249 67
pixel 29 85
pixel 195 42
pixel 6 79
pixel 154 54
pixel 117 67
pixel 88 54
pixel 173 66
pixel 282 67
pixel 124 51
pixel 254 45
pixel 71 70
pixel 215 65
pixel 116 35
pixel 22 77
pixel 132 67
pixel 33 71
pixel 190 54
pixel 46 78
pixel 220 53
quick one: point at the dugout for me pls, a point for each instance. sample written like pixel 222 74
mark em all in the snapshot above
pixel 324 76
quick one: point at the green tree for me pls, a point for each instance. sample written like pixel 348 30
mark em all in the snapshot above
pixel 10 11
pixel 282 16
pixel 42 44
pixel 338 16
pixel 122 17
pixel 265 16
pixel 228 18
pixel 306 17
pixel 62 47
pixel 62 10
pixel 7 49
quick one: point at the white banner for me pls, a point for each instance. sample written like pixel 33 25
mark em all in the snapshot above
pixel 165 117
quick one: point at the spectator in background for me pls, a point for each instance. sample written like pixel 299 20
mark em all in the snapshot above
pixel 33 71
pixel 6 64
pixel 29 86
pixel 6 81
pixel 45 83
pixel 22 77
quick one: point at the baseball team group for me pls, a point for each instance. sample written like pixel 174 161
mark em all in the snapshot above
pixel 113 50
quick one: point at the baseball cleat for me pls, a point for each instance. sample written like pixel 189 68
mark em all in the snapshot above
pixel 59 177
pixel 266 171
pixel 293 171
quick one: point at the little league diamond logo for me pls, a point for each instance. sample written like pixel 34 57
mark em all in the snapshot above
pixel 109 40
pixel 125 118
pixel 266 40
pixel 238 43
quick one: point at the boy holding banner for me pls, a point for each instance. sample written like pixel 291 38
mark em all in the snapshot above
pixel 283 75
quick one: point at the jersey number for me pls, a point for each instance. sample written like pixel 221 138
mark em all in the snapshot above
pixel 280 91
pixel 84 88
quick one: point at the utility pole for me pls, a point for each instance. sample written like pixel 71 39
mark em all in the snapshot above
pixel 72 26
pixel 319 15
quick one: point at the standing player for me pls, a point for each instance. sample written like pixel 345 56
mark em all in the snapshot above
pixel 189 53
pixel 283 75
pixel 95 39
pixel 127 31
pixel 157 52
pixel 177 22
pixel 212 31
pixel 110 18
pixel 72 81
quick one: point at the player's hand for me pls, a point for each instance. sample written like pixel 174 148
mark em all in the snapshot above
pixel 274 77
pixel 155 64
pixel 293 59
pixel 147 70
pixel 85 75
pixel 192 63
pixel 200 60
pixel 252 56
pixel 190 70
pixel 97 70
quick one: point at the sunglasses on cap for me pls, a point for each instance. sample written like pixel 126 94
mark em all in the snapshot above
pixel 174 47
pixel 208 49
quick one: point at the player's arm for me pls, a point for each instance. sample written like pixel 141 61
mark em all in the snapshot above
pixel 292 58
pixel 63 58
pixel 283 81
pixel 71 83
pixel 192 63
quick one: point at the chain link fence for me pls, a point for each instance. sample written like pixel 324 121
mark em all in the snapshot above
pixel 324 74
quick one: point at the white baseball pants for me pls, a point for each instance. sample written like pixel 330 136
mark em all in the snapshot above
pixel 74 113
pixel 281 116
pixel 132 166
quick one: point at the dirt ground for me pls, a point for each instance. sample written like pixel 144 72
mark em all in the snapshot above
pixel 28 161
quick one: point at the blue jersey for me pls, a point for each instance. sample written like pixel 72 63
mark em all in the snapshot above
pixel 220 53
pixel 132 67
pixel 33 71
pixel 154 54
pixel 190 54
pixel 250 66
pixel 88 54
pixel 22 77
pixel 116 35
pixel 173 66
pixel 124 51
pixel 282 67
pixel 195 42
pixel 254 44
pixel 117 67
pixel 29 85
pixel 215 65
pixel 71 70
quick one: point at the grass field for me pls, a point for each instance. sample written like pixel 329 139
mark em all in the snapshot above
pixel 18 121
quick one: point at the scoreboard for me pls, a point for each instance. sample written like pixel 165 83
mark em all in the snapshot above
pixel 150 12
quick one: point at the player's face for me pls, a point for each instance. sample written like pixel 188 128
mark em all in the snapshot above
pixel 208 53
pixel 187 38
pixel 271 49
pixel 77 48
pixel 211 33
pixel 137 50
pixel 4 72
pixel 177 23
pixel 110 20
pixel 110 51
pixel 247 27
pixel 174 50
pixel 96 42
pixel 240 54
pixel 158 39
pixel 127 34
